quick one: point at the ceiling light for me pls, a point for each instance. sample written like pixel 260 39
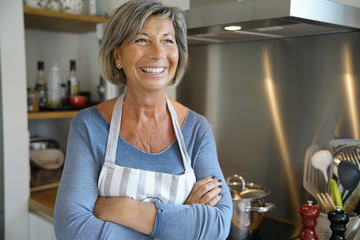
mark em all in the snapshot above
pixel 232 28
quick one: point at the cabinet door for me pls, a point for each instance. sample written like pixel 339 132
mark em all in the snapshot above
pixel 40 227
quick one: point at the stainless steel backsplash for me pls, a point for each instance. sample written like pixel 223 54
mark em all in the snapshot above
pixel 268 101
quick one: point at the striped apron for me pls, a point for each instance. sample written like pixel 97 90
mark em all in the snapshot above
pixel 138 184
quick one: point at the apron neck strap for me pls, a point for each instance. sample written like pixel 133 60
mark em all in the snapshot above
pixel 114 132
pixel 179 136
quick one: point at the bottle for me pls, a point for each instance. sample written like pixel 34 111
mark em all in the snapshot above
pixel 54 87
pixel 73 81
pixel 40 84
pixel 64 96
pixel 33 100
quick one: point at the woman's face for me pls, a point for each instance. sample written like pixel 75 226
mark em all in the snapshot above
pixel 150 60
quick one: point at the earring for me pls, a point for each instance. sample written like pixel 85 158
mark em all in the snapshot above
pixel 119 65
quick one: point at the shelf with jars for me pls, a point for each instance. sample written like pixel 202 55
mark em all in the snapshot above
pixel 43 19
pixel 38 18
pixel 52 100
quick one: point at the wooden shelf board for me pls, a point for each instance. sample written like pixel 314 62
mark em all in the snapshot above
pixel 44 187
pixel 51 115
pixel 43 201
pixel 42 19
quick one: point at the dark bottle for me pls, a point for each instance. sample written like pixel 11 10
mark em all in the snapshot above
pixel 338 219
pixel 40 84
pixel 309 214
pixel 73 81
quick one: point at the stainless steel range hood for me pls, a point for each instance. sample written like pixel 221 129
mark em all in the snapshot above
pixel 265 19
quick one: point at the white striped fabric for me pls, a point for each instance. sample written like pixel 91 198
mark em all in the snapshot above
pixel 139 184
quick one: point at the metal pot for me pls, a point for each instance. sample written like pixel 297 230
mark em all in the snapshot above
pixel 248 208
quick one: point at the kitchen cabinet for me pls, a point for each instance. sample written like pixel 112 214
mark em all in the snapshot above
pixel 41 227
pixel 53 24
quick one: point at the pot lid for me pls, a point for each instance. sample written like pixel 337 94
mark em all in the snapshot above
pixel 245 191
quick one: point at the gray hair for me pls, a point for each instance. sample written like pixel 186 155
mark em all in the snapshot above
pixel 126 22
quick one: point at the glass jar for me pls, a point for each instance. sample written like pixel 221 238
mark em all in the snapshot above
pixel 33 97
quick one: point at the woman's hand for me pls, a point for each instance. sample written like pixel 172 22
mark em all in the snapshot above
pixel 206 191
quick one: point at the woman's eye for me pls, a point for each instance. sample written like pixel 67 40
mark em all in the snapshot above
pixel 141 41
pixel 169 41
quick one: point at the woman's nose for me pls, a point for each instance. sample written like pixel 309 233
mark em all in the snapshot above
pixel 156 51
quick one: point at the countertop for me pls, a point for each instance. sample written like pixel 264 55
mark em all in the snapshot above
pixel 273 228
pixel 43 201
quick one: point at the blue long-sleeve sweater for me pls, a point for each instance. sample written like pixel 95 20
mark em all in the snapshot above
pixel 77 194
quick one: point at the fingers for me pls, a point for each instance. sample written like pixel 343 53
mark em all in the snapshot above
pixel 205 185
pixel 214 200
pixel 205 191
pixel 212 197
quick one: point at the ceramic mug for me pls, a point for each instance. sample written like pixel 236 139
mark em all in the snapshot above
pixel 36 3
pixel 72 6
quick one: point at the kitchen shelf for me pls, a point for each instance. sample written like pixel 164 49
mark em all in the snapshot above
pixel 51 115
pixel 44 187
pixel 42 19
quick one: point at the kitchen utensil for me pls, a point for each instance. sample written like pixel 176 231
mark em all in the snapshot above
pixel 335 193
pixel 351 232
pixel 349 153
pixel 353 200
pixel 326 202
pixel 321 160
pixel 353 153
pixel 349 176
pixel 335 144
pixel 311 176
pixel 248 209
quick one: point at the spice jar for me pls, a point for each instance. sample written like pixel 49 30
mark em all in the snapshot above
pixel 33 97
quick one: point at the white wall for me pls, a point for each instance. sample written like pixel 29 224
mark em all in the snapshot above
pixel 15 133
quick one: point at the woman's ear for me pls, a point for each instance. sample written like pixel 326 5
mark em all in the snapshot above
pixel 116 54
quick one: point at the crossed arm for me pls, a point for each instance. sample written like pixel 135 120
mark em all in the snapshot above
pixel 140 216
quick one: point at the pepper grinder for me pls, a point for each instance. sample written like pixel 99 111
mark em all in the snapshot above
pixel 309 214
pixel 338 219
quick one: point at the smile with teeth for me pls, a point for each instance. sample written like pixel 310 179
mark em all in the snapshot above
pixel 152 70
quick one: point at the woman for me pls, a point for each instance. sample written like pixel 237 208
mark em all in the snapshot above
pixel 142 184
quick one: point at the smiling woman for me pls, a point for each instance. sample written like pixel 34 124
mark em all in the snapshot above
pixel 142 166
